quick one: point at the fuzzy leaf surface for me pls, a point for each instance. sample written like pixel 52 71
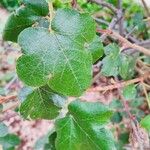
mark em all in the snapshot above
pixel 58 58
pixel 96 48
pixel 24 17
pixel 83 128
pixel 40 105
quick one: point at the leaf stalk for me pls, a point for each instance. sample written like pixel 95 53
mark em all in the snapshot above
pixel 51 13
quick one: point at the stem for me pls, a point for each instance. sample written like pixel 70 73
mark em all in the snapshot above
pixel 7 98
pixel 74 3
pixel 105 4
pixel 146 95
pixel 146 7
pixel 125 42
pixel 133 125
pixel 14 106
pixel 51 13
pixel 119 84
pixel 120 14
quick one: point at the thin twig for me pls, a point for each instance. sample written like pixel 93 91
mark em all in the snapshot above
pixel 51 11
pixel 105 4
pixel 124 41
pixel 96 77
pixel 120 84
pixel 120 15
pixel 147 19
pixel 101 21
pixel 14 106
pixel 132 119
pixel 132 39
pixel 5 99
pixel 112 24
pixel 74 3
pixel 145 43
pixel 132 30
pixel 110 27
pixel 146 95
pixel 8 85
pixel 146 7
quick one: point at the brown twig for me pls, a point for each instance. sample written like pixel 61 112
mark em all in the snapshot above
pixel 14 106
pixel 110 27
pixel 146 7
pixel 146 95
pixel 124 41
pixel 7 98
pixel 74 3
pixel 120 15
pixel 147 19
pixel 120 84
pixel 133 121
pixel 145 43
pixel 8 85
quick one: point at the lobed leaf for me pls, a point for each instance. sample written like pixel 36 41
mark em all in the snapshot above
pixel 9 141
pixel 58 59
pixel 96 49
pixel 24 17
pixel 130 92
pixel 126 66
pixel 83 128
pixel 111 61
pixel 115 63
pixel 76 26
pixel 145 122
pixel 40 105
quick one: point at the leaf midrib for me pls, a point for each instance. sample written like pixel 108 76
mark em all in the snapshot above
pixel 86 133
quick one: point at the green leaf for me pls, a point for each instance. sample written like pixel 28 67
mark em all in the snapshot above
pixel 58 58
pixel 116 118
pixel 138 21
pixel 24 17
pixel 39 105
pixel 130 92
pixel 110 66
pixel 116 63
pixel 111 61
pixel 137 102
pixel 96 49
pixel 40 6
pixel 83 128
pixel 50 1
pixel 66 1
pixel 123 139
pixel 115 104
pixel 52 139
pixel 75 25
pixel 9 141
pixel 32 70
pixel 3 129
pixel 112 49
pixel 126 67
pixel 97 113
pixel 145 122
